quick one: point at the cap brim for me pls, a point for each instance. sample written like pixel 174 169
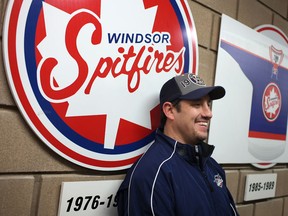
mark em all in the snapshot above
pixel 214 92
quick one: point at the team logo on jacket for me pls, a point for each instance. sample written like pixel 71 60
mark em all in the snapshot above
pixel 218 180
pixel 86 74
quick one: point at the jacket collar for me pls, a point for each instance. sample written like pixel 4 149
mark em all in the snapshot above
pixel 193 154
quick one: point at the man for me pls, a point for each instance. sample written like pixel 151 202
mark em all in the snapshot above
pixel 176 175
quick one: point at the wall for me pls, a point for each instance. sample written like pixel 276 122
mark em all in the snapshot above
pixel 31 173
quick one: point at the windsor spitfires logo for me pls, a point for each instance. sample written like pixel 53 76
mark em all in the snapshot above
pixel 271 102
pixel 86 74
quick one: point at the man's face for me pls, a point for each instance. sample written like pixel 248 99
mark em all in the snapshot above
pixel 192 120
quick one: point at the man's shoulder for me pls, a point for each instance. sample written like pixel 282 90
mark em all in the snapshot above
pixel 154 156
pixel 150 161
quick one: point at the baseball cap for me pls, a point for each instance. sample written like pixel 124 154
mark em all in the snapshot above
pixel 188 86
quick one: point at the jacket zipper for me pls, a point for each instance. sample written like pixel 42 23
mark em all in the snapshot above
pixel 201 169
pixel 207 181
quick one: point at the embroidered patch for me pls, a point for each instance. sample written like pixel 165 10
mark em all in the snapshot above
pixel 218 180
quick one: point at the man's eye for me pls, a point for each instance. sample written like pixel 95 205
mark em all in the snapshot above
pixel 196 104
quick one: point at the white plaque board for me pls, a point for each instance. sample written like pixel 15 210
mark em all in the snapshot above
pixel 260 186
pixel 87 198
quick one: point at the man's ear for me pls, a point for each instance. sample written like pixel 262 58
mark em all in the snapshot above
pixel 168 110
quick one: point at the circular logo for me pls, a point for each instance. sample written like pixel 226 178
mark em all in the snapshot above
pixel 86 75
pixel 197 80
pixel 271 102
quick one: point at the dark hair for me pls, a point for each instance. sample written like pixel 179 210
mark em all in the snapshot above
pixel 163 117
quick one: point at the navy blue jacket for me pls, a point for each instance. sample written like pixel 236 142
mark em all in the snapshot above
pixel 175 179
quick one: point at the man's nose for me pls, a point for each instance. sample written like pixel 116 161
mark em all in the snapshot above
pixel 207 112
